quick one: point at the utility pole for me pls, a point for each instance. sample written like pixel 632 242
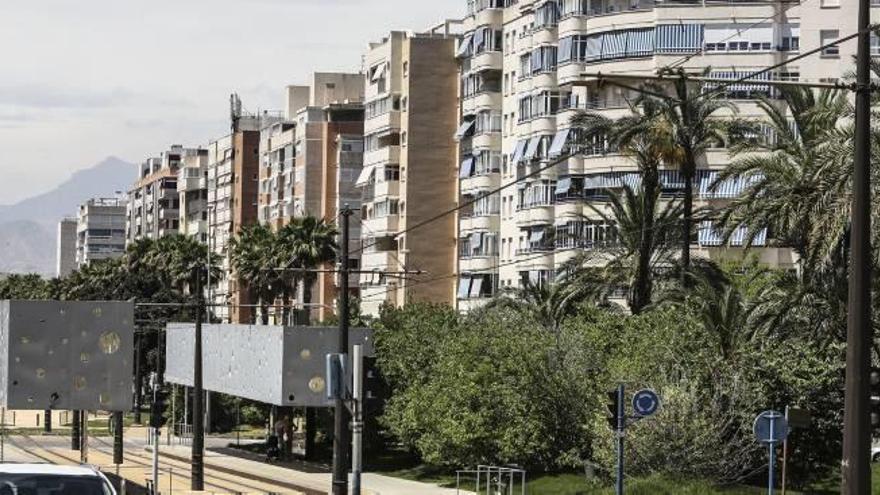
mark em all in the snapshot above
pixel 198 439
pixel 856 467
pixel 154 432
pixel 117 439
pixel 341 442
pixel 357 375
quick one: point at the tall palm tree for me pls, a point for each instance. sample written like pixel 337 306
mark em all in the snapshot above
pixel 785 173
pixel 252 254
pixel 642 137
pixel 305 244
pixel 644 233
pixel 693 123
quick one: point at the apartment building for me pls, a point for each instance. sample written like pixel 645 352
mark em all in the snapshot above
pixel 310 161
pixel 153 201
pixel 409 172
pixel 100 230
pixel 233 166
pixel 528 66
pixel 65 252
pixel 192 189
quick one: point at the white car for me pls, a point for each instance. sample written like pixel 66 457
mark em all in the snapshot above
pixel 40 479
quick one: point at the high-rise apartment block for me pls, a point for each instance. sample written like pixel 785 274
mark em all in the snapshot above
pixel 310 161
pixel 153 201
pixel 409 172
pixel 65 253
pixel 527 67
pixel 192 188
pixel 233 185
pixel 100 230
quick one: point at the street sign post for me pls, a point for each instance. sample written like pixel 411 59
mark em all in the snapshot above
pixel 771 428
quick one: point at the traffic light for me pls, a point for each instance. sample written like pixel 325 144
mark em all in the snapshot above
pixel 874 384
pixel 613 408
pixel 157 410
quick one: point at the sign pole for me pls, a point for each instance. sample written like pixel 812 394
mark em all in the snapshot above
pixel 785 452
pixel 621 426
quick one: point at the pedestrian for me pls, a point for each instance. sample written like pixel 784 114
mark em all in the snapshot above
pixel 280 429
pixel 288 436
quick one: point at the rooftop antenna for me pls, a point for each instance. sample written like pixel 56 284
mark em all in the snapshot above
pixel 234 110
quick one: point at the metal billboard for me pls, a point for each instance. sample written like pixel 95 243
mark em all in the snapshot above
pixel 283 366
pixel 66 355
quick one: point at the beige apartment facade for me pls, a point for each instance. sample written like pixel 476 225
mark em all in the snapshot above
pixel 309 160
pixel 192 188
pixel 528 67
pixel 409 172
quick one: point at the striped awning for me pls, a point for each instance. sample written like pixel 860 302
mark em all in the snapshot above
pixel 365 176
pixel 729 188
pixel 708 235
pixel 679 38
pixel 741 234
pixel 741 87
pixel 520 149
pixel 640 42
pixel 671 179
pixel 466 128
pixel 614 44
pixel 563 185
pixel 594 47
pixel 532 149
pixel 565 49
pixel 559 142
pixel 476 287
pixel 464 46
pixel 467 167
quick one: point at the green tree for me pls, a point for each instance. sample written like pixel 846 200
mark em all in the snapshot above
pixel 253 254
pixel 785 171
pixel 692 123
pixel 305 244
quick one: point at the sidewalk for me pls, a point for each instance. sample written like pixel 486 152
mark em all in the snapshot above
pixel 373 484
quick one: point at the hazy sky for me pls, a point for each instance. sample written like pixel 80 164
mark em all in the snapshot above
pixel 81 80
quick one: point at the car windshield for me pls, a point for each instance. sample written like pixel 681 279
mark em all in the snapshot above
pixel 49 484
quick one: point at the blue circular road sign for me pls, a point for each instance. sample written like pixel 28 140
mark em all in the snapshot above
pixel 646 402
pixel 771 427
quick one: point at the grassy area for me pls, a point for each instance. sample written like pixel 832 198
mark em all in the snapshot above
pixel 398 464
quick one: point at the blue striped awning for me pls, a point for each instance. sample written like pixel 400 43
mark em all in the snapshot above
pixel 614 44
pixel 559 142
pixel 563 185
pixel 671 179
pixel 532 149
pixel 708 235
pixel 520 149
pixel 741 87
pixel 679 38
pixel 467 167
pixel 730 188
pixel 634 181
pixel 640 42
pixel 565 49
pixel 594 47
pixel 464 46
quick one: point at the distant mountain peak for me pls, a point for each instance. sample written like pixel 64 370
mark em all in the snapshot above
pixel 44 211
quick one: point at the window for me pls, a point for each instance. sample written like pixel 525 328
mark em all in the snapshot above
pixel 405 69
pixel 875 45
pixel 547 15
pixel 827 36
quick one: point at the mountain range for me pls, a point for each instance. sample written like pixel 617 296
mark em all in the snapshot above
pixel 28 228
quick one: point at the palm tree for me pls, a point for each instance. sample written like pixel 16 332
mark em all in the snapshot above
pixel 182 258
pixel 785 174
pixel 305 244
pixel 692 123
pixel 252 254
pixel 643 244
pixel 642 137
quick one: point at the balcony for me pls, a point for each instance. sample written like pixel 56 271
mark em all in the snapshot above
pixel 487 60
pixel 380 190
pixel 535 215
pixel 490 222
pixel 386 155
pixel 382 225
pixel 388 120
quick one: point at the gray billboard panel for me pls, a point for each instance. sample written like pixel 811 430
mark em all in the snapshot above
pixel 276 365
pixel 66 355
